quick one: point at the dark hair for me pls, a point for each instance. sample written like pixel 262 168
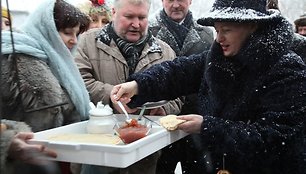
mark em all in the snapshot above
pixel 68 16
pixel 272 4
pixel 300 22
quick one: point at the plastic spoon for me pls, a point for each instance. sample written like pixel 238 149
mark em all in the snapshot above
pixel 128 120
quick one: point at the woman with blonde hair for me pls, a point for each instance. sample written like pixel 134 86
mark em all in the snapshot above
pixel 6 19
pixel 98 11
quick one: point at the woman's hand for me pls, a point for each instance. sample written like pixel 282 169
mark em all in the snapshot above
pixel 124 92
pixel 193 123
pixel 28 153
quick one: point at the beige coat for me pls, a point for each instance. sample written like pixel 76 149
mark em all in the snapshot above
pixel 102 66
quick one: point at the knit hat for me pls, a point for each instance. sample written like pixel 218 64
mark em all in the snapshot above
pixel 99 6
pixel 4 13
pixel 239 11
pixel 301 21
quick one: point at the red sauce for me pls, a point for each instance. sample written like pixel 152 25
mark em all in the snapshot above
pixel 132 132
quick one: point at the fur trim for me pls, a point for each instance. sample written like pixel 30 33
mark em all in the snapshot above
pixel 239 11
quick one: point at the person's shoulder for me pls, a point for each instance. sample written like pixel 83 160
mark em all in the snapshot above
pixel 91 33
pixel 155 24
pixel 206 33
pixel 88 37
pixel 292 58
pixel 162 43
pixel 298 45
pixel 201 28
pixel 165 48
pixel 299 38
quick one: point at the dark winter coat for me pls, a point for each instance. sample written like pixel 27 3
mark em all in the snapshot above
pixel 299 45
pixel 198 39
pixel 253 104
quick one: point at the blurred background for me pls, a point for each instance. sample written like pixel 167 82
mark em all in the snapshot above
pixel 20 9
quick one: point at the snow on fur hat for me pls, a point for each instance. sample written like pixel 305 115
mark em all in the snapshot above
pixel 239 11
pixel 301 21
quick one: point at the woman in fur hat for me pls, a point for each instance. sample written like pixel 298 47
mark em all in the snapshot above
pixel 251 91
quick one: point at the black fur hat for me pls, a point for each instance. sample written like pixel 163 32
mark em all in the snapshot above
pixel 301 21
pixel 239 11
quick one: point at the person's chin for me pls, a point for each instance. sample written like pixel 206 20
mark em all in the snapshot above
pixel 133 38
pixel 228 54
pixel 177 17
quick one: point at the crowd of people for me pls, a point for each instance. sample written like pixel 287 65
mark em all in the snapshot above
pixel 241 91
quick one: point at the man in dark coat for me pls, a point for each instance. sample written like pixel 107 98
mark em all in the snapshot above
pixel 175 25
pixel 252 104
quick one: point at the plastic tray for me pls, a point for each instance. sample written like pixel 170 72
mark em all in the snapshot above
pixel 120 156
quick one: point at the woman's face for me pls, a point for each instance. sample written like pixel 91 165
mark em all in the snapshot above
pixel 69 36
pixel 98 21
pixel 232 35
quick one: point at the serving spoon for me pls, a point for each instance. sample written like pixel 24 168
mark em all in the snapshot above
pixel 128 119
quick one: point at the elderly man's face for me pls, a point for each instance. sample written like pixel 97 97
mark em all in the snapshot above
pixel 176 9
pixel 131 20
pixel 302 30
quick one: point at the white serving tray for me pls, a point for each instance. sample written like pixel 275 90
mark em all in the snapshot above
pixel 120 156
